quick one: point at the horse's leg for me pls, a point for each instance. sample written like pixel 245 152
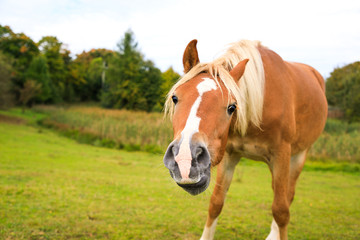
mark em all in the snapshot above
pixel 225 171
pixel 296 166
pixel 280 169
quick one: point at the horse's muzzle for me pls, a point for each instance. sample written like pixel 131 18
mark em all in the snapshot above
pixel 191 172
pixel 196 188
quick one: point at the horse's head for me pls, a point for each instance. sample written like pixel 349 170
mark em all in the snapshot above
pixel 203 111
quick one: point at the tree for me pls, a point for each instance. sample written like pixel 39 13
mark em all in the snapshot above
pixel 121 87
pixel 70 80
pixel 39 72
pixel 95 77
pixel 132 82
pixel 5 31
pixel 343 90
pixel 19 47
pixel 52 49
pixel 89 70
pixel 6 95
pixel 169 78
pixel 150 83
pixel 30 90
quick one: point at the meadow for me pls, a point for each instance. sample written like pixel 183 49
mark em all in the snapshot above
pixel 121 129
pixel 150 132
pixel 54 187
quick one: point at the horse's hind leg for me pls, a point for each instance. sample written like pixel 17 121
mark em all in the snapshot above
pixel 296 166
pixel 225 172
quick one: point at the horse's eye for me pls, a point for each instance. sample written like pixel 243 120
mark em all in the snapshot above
pixel 231 108
pixel 175 99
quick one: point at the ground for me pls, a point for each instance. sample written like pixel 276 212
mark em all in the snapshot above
pixel 55 188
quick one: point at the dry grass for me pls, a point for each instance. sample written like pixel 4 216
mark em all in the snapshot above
pixel 150 132
pixel 114 128
pixel 340 141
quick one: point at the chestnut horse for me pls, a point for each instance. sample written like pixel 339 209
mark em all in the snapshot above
pixel 247 103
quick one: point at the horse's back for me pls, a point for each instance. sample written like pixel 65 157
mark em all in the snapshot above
pixel 306 73
pixel 295 102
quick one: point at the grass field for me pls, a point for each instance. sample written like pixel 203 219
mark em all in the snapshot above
pixel 121 129
pixel 52 187
pixel 149 132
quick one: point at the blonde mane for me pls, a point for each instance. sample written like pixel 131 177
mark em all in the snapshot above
pixel 249 93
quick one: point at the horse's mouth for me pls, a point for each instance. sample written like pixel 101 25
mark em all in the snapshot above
pixel 196 188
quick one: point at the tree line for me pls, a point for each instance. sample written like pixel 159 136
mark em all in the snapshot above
pixel 343 90
pixel 44 72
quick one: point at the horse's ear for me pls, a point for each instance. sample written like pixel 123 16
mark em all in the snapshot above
pixel 238 70
pixel 190 58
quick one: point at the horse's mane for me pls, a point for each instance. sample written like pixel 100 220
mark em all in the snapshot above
pixel 249 93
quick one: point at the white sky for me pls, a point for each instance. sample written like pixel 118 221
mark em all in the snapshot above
pixel 322 33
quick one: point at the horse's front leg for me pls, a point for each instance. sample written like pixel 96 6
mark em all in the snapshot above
pixel 296 165
pixel 225 171
pixel 280 168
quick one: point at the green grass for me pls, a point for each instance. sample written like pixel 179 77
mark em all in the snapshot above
pixel 52 187
pixel 30 116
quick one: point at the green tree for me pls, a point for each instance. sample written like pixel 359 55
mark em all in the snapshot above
pixel 30 90
pixel 38 71
pixel 6 96
pixel 70 80
pixel 121 87
pixel 131 82
pixel 343 90
pixel 170 77
pixel 5 31
pixel 52 49
pixel 89 68
pixel 95 77
pixel 151 85
pixel 19 47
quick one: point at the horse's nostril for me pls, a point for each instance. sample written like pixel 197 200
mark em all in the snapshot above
pixel 169 157
pixel 202 156
pixel 175 149
pixel 199 151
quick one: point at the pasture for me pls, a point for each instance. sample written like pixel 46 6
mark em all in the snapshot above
pixel 53 187
pixel 150 132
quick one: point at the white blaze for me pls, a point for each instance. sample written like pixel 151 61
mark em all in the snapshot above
pixel 183 158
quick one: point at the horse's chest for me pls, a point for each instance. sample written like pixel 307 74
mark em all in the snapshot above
pixel 253 150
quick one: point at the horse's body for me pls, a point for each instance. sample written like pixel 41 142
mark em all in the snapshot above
pixel 281 110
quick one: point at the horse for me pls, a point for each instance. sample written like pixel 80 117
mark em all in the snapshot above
pixel 248 103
